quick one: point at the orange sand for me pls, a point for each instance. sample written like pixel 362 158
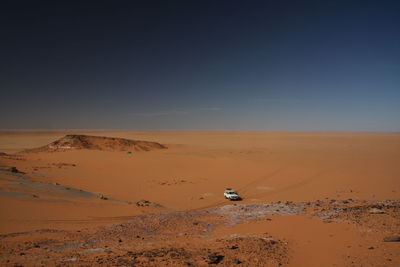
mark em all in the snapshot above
pixel 193 172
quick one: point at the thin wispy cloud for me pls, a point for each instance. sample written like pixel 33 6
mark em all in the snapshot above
pixel 281 100
pixel 176 112
pixel 210 109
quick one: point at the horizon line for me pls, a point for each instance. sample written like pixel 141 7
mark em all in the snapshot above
pixel 192 130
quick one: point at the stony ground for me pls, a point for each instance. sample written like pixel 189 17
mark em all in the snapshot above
pixel 186 238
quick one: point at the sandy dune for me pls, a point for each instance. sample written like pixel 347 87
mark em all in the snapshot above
pixel 77 188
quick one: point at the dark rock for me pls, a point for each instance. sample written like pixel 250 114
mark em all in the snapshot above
pixel 9 169
pixel 237 262
pixel 391 239
pixel 233 247
pixel 143 203
pixel 215 258
pixel 103 197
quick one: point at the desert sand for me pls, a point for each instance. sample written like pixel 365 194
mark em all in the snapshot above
pixel 309 198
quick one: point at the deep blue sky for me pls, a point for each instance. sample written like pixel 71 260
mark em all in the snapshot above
pixel 277 65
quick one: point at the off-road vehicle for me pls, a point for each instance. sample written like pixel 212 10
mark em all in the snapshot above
pixel 231 194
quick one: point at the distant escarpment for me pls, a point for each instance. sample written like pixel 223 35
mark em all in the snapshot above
pixel 73 142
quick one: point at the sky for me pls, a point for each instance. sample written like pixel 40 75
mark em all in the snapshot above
pixel 262 65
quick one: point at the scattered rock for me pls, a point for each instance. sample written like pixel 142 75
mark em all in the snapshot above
pixel 143 203
pixel 376 211
pixel 215 258
pixel 274 242
pixel 9 169
pixel 391 239
pixel 62 165
pixel 146 203
pixel 103 197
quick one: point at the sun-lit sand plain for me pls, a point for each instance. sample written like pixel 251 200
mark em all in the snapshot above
pixel 107 187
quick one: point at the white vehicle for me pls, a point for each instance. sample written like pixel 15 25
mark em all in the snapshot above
pixel 231 195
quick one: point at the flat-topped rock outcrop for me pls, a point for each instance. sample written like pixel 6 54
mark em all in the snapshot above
pixel 71 142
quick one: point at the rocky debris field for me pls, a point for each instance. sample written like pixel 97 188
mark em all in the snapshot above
pixel 378 216
pixel 186 238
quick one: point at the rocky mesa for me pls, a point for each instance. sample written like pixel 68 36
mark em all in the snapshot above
pixel 70 142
